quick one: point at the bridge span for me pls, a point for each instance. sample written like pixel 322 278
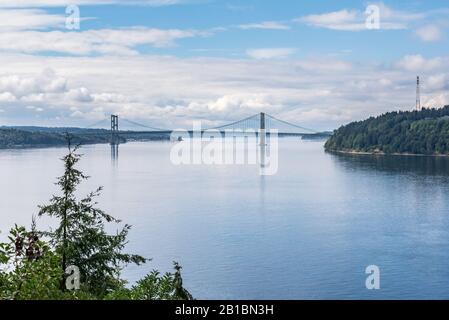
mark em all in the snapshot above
pixel 260 123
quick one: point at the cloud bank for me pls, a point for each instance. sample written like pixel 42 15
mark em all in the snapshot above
pixel 170 91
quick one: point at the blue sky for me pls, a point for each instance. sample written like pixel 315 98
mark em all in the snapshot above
pixel 233 41
pixel 311 62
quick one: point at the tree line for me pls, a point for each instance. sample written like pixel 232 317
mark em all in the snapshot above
pixel 416 132
pixel 27 137
pixel 20 138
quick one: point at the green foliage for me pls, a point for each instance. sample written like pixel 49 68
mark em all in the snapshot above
pixel 418 132
pixel 31 268
pixel 155 286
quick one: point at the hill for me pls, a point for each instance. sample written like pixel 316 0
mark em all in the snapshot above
pixel 424 132
pixel 16 138
pixel 34 137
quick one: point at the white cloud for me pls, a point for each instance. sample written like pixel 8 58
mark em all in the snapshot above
pixel 27 19
pixel 391 15
pixel 231 104
pixel 7 97
pixel 420 64
pixel 437 100
pixel 269 25
pixel 337 20
pixel 169 91
pixel 20 86
pixel 270 53
pixel 429 33
pixel 355 19
pixel 109 97
pixel 80 95
pixel 47 88
pixel 438 81
pixel 102 41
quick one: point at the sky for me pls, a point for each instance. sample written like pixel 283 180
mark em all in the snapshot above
pixel 166 63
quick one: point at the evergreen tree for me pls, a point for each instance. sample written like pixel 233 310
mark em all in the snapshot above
pixel 80 237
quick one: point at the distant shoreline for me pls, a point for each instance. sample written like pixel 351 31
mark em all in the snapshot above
pixel 64 145
pixel 380 153
pixel 44 146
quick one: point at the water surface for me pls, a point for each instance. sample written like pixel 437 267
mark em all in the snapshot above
pixel 307 232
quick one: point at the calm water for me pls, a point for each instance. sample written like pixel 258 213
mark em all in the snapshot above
pixel 307 232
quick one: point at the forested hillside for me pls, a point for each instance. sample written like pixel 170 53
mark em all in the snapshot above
pixel 26 137
pixel 417 132
pixel 14 138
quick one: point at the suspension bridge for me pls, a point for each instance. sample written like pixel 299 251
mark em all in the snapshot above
pixel 254 123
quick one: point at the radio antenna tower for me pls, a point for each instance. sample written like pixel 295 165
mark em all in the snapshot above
pixel 418 95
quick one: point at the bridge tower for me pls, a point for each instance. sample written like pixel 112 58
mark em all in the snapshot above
pixel 114 130
pixel 262 129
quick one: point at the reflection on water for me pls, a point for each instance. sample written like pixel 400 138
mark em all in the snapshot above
pixel 114 153
pixel 309 231
pixel 422 165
